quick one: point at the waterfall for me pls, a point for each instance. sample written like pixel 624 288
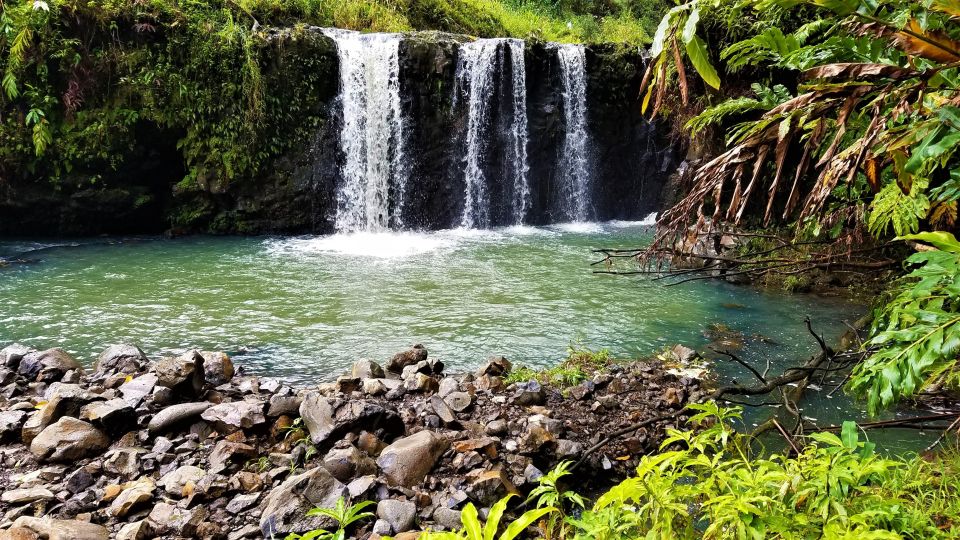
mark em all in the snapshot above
pixel 374 174
pixel 478 65
pixel 574 165
pixel 518 131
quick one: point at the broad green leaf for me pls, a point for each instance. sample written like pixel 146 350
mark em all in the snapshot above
pixel 524 521
pixel 690 26
pixel 941 240
pixel 697 51
pixel 493 519
pixel 471 522
pixel 849 435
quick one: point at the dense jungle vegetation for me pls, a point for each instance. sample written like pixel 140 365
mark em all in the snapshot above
pixel 840 121
pixel 80 79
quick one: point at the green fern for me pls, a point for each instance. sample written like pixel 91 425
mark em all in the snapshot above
pixel 892 208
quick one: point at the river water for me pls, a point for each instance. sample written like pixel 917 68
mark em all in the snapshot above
pixel 304 308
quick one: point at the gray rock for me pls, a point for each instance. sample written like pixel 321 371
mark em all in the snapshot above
pixel 399 514
pixel 68 439
pixel 532 474
pixel 138 530
pixel 459 401
pixel 234 416
pixel 329 419
pixel 448 385
pixel 120 359
pixel 183 374
pixel 48 365
pixel 409 357
pixel 174 482
pixel 173 521
pixel 11 355
pixel 26 495
pixel 421 382
pixel 530 393
pixel 285 507
pixel 63 529
pixel 496 366
pixel 367 369
pixel 448 518
pixel 135 390
pixel 226 452
pixel 177 415
pixel 217 367
pixel 114 416
pixel 381 527
pixel 132 498
pixel 79 480
pixel 248 531
pixel 284 405
pixel 442 409
pixel 348 462
pixel 497 427
pixel 123 461
pixel 11 422
pixel 241 503
pixel 62 400
pixel 408 460
pixel 358 487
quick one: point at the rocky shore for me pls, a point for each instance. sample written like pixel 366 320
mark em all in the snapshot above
pixel 187 447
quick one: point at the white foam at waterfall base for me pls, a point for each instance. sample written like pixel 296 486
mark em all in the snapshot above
pixel 578 227
pixel 648 221
pixel 379 245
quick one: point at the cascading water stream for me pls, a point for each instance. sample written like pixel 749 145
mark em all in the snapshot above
pixel 518 130
pixel 574 165
pixel 475 73
pixel 374 174
pixel 477 67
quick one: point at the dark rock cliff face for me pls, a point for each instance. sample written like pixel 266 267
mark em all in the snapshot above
pixel 631 157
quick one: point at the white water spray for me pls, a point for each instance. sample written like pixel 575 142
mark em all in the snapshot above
pixel 370 197
pixel 518 131
pixel 574 166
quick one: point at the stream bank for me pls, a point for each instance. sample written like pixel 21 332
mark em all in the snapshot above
pixel 181 446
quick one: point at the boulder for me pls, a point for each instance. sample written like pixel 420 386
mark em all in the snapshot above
pixel 48 365
pixel 114 416
pixel 183 375
pixel 442 409
pixel 409 357
pixel 329 419
pixel 171 521
pixel 62 400
pixel 399 514
pixel 176 481
pixel 217 367
pixel 120 359
pixel 234 416
pixel 448 518
pixel 242 502
pixel 530 393
pixel 495 366
pixel 285 507
pixel 135 390
pixel 367 369
pixel 11 355
pixel 487 487
pixel 174 415
pixel 458 401
pixel 63 529
pixel 226 452
pixel 123 461
pixel 133 497
pixel 26 495
pixel 408 460
pixel 11 422
pixel 347 462
pixel 138 530
pixel 284 405
pixel 68 439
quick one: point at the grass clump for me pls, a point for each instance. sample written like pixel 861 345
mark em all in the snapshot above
pixel 579 365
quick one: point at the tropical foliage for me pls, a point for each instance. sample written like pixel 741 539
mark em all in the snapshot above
pixel 708 483
pixel 849 130
pixel 916 333
pixel 342 514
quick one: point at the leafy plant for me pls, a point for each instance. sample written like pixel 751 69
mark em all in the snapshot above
pixel 917 333
pixel 343 514
pixel 549 494
pixel 474 529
